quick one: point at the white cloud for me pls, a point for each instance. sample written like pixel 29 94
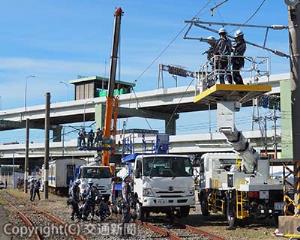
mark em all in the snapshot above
pixel 46 65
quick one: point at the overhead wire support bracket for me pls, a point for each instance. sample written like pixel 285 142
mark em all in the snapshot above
pixel 273 27
pixel 199 24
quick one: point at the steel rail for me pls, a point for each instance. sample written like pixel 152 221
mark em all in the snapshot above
pixel 48 215
pixel 27 221
pixel 160 230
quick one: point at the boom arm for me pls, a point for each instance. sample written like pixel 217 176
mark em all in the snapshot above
pixel 110 100
pixel 226 125
pixel 241 145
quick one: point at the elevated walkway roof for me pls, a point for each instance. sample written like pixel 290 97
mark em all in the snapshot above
pixel 231 92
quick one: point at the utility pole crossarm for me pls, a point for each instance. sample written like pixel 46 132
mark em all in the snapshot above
pixel 273 27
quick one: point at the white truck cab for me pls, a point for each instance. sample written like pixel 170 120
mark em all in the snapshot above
pixel 101 177
pixel 163 183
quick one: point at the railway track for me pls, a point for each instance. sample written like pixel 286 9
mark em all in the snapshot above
pixel 155 228
pixel 178 231
pixel 26 220
pixel 35 219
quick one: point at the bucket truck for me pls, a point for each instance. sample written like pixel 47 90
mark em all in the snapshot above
pixel 236 184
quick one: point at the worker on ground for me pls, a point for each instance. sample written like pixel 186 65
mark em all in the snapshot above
pixel 98 138
pixel 126 189
pixel 75 191
pixel 90 201
pixel 237 60
pixel 126 194
pixel 91 136
pixel 222 54
pixel 31 188
pixel 6 183
pixel 37 185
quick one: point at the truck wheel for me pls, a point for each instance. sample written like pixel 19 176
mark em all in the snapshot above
pixel 140 212
pixel 275 219
pixel 184 211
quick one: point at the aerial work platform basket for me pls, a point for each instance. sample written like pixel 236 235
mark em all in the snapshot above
pixel 207 90
pixel 230 92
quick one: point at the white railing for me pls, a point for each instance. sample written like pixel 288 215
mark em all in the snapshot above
pixel 209 73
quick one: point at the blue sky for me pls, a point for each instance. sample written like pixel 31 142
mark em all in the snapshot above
pixel 58 40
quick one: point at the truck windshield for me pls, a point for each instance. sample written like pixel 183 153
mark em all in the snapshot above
pixel 94 172
pixel 167 167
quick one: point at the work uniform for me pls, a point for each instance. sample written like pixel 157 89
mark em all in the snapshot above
pixel 31 187
pixel 75 201
pixel 90 202
pixel 126 190
pixel 238 61
pixel 210 53
pixel 91 139
pixel 223 51
pixel 98 138
pixel 81 138
pixel 37 186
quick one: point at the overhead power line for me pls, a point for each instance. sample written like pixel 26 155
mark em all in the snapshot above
pixel 162 52
pixel 216 6
pixel 255 12
pixel 169 44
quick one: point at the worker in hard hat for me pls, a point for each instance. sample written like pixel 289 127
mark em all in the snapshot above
pixel 211 51
pixel 90 200
pixel 222 54
pixel 237 60
pixel 210 58
pixel 74 199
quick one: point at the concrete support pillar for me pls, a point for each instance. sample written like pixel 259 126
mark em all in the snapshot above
pixel 99 115
pixel 57 133
pixel 170 125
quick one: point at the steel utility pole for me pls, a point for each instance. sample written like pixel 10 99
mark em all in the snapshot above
pixel 294 39
pixel 46 159
pixel 26 167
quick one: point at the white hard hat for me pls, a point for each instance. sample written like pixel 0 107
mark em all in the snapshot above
pixel 238 33
pixel 77 181
pixel 90 181
pixel 222 30
pixel 211 38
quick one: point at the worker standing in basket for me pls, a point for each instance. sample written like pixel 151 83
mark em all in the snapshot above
pixel 91 136
pixel 210 58
pixel 237 60
pixel 99 137
pixel 223 52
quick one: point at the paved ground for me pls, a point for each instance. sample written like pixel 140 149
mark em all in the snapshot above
pixel 3 220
